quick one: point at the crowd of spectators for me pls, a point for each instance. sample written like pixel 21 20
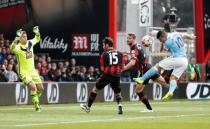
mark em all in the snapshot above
pixel 64 71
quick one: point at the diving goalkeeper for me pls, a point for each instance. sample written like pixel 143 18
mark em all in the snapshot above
pixel 23 49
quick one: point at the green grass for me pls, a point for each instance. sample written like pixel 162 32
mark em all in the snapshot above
pixel 168 115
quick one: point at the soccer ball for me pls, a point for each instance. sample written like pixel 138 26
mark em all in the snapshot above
pixel 147 40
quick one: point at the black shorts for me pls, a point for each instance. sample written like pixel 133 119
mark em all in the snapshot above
pixel 166 75
pixel 145 69
pixel 105 80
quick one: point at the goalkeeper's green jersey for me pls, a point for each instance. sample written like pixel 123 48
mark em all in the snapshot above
pixel 25 55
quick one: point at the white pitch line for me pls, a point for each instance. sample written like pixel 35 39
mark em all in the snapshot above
pixel 109 120
pixel 104 105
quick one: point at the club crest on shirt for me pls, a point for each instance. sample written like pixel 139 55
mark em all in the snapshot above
pixel 28 54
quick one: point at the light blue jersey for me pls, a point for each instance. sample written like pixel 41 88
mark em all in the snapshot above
pixel 175 44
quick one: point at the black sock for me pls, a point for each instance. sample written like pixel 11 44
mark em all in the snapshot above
pixel 91 99
pixel 119 99
pixel 144 100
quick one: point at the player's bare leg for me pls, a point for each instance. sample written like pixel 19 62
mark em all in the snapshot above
pixel 40 89
pixel 152 71
pixel 34 96
pixel 119 102
pixel 173 85
pixel 91 99
pixel 161 81
pixel 139 91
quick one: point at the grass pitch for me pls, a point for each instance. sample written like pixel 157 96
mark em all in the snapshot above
pixel 175 114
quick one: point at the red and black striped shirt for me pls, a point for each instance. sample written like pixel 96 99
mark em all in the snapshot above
pixel 112 61
pixel 138 53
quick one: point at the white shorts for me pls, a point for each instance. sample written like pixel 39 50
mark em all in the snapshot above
pixel 178 64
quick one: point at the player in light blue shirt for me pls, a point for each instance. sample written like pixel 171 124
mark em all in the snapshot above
pixel 177 61
pixel 175 44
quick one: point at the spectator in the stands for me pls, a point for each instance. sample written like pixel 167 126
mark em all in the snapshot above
pixel 193 69
pixel 97 73
pixel 90 74
pixel 39 67
pixel 1 37
pixel 9 56
pixel 66 64
pixel 6 43
pixel 76 75
pixel 83 74
pixel 49 60
pixel 72 63
pixel 2 76
pixel 3 55
pixel 1 44
pixel 208 71
pixel 60 65
pixel 40 59
pixel 58 75
pixel 64 77
pixel 8 51
pixel 36 60
pixel 12 61
pixel 125 76
pixel 69 74
pixel 10 74
pixel 44 70
pixel 49 66
pixel 5 63
pixel 52 72
pixel 44 58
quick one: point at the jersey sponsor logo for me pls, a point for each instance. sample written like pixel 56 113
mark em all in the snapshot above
pixel 82 92
pixel 52 93
pixel 108 94
pixel 198 91
pixel 157 91
pixel 133 95
pixel 21 94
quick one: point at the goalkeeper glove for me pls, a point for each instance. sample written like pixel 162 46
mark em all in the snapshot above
pixel 19 33
pixel 16 40
pixel 36 30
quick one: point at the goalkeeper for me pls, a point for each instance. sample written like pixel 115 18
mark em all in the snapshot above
pixel 23 49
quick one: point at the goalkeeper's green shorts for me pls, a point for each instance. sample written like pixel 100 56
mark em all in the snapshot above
pixel 30 77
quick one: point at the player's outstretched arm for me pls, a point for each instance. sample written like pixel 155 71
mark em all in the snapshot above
pixel 13 46
pixel 37 37
pixel 188 36
pixel 129 65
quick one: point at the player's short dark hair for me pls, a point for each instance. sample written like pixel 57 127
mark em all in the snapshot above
pixel 132 35
pixel 23 32
pixel 160 33
pixel 108 41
